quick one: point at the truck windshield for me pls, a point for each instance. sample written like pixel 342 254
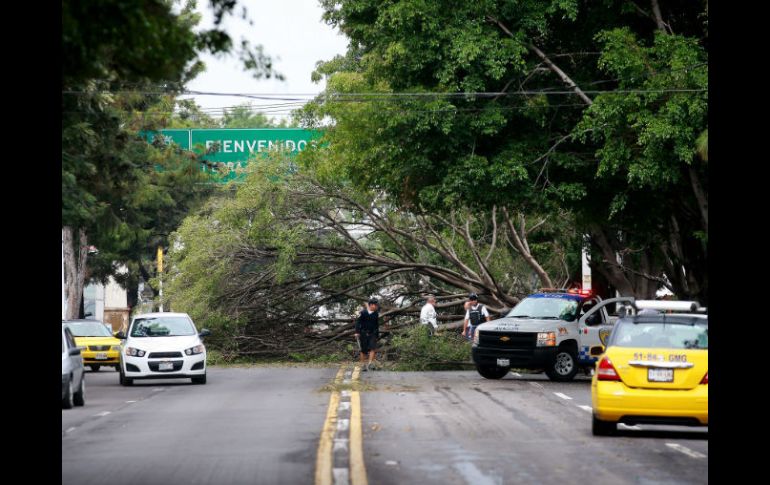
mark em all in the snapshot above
pixel 548 308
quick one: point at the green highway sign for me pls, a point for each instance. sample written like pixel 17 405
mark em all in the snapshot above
pixel 233 149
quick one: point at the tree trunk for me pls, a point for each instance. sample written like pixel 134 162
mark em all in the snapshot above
pixel 75 254
pixel 609 265
pixel 522 247
pixel 701 197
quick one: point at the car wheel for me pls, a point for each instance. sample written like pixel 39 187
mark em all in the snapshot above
pixel 79 397
pixel 199 380
pixel 95 368
pixel 603 428
pixel 492 372
pixel 125 381
pixel 66 402
pixel 564 365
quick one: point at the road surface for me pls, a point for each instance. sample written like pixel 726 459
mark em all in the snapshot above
pixel 262 425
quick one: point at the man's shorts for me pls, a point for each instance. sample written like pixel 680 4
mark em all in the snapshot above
pixel 368 342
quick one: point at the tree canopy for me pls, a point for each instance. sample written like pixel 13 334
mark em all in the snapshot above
pixel 594 107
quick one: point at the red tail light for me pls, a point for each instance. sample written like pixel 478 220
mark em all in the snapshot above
pixel 705 379
pixel 607 371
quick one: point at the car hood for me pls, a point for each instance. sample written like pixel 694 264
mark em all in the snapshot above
pixel 522 324
pixel 150 344
pixel 84 341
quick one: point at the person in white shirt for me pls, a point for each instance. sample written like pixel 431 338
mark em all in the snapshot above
pixel 474 316
pixel 428 315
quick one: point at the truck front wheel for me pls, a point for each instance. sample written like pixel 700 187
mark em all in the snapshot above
pixel 492 372
pixel 564 365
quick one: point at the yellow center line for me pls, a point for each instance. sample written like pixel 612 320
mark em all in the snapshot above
pixel 324 458
pixel 357 468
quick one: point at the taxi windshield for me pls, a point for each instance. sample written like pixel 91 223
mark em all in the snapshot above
pixel 662 335
pixel 545 308
pixel 88 329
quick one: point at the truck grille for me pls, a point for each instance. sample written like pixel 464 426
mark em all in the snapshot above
pixel 508 340
pixel 164 355
pixel 98 347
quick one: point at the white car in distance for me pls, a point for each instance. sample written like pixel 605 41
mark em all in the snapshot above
pixel 162 346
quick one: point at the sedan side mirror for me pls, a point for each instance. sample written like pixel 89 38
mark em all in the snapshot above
pixel 205 332
pixel 120 335
pixel 75 351
pixel 596 350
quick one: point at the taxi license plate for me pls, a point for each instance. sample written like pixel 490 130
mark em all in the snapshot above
pixel 166 366
pixel 660 375
pixel 503 362
pixel 101 356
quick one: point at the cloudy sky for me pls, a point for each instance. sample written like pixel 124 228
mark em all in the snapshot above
pixel 291 32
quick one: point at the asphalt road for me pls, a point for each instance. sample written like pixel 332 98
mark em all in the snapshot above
pixel 262 426
pixel 458 428
pixel 245 426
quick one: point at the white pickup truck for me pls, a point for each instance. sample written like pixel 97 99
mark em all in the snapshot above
pixel 552 330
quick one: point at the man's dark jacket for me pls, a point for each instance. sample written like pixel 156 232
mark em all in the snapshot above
pixel 368 323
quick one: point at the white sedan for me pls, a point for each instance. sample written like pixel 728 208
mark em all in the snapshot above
pixel 162 346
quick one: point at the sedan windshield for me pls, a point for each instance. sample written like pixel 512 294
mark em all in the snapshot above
pixel 548 308
pixel 162 327
pixel 88 329
pixel 662 335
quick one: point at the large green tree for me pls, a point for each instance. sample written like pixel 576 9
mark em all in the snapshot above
pixel 594 107
pixel 120 58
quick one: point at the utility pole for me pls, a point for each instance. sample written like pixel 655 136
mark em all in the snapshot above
pixel 586 266
pixel 160 275
pixel 63 293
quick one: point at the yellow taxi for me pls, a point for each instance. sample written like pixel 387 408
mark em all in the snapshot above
pixel 654 370
pixel 101 348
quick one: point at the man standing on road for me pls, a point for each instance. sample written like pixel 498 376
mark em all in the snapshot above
pixel 368 331
pixel 474 316
pixel 428 315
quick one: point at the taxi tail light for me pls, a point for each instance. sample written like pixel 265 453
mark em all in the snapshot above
pixel 705 379
pixel 606 371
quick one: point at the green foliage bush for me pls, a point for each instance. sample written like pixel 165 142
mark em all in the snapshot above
pixel 414 349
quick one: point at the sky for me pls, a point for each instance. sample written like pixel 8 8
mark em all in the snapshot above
pixel 290 31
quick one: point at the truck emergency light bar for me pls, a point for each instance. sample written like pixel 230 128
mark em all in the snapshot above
pixel 575 291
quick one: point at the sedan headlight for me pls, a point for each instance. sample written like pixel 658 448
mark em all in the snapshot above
pixel 135 352
pixel 116 347
pixel 476 337
pixel 546 339
pixel 198 349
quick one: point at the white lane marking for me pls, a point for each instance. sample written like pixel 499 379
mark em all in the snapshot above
pixel 539 386
pixel 391 463
pixel 585 408
pixel 129 402
pixel 346 381
pixel 563 396
pixel 623 425
pixel 343 424
pixel 344 406
pixel 102 414
pixel 70 430
pixel 341 476
pixel 340 444
pixel 515 374
pixel 159 389
pixel 345 394
pixel 473 475
pixel 687 451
